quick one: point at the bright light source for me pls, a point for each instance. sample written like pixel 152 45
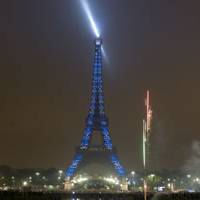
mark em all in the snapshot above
pixel 112 180
pixel 98 41
pixel 132 173
pixel 25 183
pixel 161 188
pixel 103 53
pixel 196 179
pixel 90 17
pixel 60 171
pixel 51 187
pixel 152 175
pixel 189 176
pixel 37 173
pixel 80 179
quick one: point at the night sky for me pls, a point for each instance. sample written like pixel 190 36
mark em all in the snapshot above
pixel 46 54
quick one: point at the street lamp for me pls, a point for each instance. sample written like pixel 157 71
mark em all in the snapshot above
pixel 189 176
pixel 25 183
pixel 60 171
pixel 132 173
pixel 37 173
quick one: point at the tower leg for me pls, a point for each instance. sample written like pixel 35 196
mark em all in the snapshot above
pixel 86 137
pixel 118 167
pixel 72 168
pixel 106 138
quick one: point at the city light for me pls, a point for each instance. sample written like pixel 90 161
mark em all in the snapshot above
pixel 37 173
pixel 112 180
pixel 197 180
pixel 80 179
pixel 132 173
pixel 25 183
pixel 189 176
pixel 51 187
pixel 60 171
pixel 152 175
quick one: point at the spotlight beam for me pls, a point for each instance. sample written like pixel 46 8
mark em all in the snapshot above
pixel 93 25
pixel 88 12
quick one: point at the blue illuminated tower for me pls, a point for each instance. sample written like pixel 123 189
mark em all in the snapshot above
pixel 96 121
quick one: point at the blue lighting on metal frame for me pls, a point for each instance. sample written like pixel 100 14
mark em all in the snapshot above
pixel 118 167
pixel 106 138
pixel 86 136
pixel 96 119
pixel 72 168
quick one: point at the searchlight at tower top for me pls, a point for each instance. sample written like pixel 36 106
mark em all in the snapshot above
pixel 93 25
pixel 90 17
pixel 98 41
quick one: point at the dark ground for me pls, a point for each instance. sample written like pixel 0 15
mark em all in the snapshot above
pixel 87 196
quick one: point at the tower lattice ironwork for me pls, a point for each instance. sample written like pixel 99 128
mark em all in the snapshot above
pixel 96 119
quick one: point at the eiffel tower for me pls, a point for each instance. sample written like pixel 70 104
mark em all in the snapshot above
pixel 96 122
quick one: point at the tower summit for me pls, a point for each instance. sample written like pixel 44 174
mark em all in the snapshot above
pixel 96 122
